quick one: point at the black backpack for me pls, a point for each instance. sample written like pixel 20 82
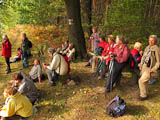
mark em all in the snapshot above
pixel 29 44
pixel 98 51
pixel 116 107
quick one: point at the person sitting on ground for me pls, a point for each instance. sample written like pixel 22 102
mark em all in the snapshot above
pixel 70 52
pixel 57 67
pixel 25 86
pixel 120 57
pixel 16 105
pixel 17 57
pixel 136 55
pixel 36 72
pixel 98 51
pixel 108 49
pixel 149 65
pixel 65 45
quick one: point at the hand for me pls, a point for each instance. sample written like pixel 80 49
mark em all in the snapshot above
pixel 41 83
pixel 141 53
pixel 140 67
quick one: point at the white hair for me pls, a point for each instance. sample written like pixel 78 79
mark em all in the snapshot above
pixel 137 45
pixel 155 38
pixel 5 36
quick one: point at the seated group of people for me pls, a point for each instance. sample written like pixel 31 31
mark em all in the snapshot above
pixel 114 55
pixel 22 95
pixel 20 98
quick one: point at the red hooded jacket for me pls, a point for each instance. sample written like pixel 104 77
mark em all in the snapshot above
pixel 6 49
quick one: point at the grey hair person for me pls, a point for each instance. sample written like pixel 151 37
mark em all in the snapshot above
pixel 51 50
pixel 155 38
pixel 5 37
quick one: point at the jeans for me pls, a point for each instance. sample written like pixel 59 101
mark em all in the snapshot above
pixel 25 59
pixel 115 77
pixel 52 75
pixel 8 64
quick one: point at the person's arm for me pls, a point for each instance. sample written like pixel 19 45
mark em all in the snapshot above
pixel 70 56
pixel 22 88
pixel 54 64
pixel 157 55
pixel 142 59
pixel 39 74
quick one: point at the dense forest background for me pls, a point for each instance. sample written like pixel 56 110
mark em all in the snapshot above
pixel 135 19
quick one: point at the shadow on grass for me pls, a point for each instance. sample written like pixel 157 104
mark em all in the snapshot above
pixel 136 110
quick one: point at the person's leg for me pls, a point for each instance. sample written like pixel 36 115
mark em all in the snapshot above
pixel 111 76
pixel 15 117
pixel 142 83
pixel 93 63
pixel 8 65
pixel 49 75
pixel 120 67
pixel 103 69
pixel 25 60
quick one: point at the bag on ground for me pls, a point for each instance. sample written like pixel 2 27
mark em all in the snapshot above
pixel 116 107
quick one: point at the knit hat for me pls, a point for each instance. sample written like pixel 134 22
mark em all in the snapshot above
pixel 51 50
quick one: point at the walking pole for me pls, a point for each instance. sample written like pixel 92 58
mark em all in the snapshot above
pixel 98 68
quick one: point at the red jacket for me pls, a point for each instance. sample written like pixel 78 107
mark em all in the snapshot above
pixel 66 59
pixel 19 54
pixel 107 50
pixel 122 53
pixel 6 49
pixel 137 57
pixel 102 44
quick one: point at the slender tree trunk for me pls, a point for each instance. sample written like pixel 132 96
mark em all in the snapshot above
pixel 76 35
pixel 87 11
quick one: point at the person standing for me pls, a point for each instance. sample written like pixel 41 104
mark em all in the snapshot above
pixel 25 48
pixel 6 51
pixel 150 63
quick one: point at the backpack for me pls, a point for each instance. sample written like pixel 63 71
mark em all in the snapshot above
pixel 98 51
pixel 29 44
pixel 116 107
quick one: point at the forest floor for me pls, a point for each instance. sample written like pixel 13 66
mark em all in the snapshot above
pixel 86 100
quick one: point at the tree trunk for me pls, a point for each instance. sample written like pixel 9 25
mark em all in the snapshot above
pixel 87 11
pixel 76 35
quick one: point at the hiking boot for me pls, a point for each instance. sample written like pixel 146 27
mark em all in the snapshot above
pixel 142 98
pixel 9 71
pixel 51 84
pixel 87 65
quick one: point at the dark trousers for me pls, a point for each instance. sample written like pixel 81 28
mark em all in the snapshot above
pixel 8 63
pixel 15 117
pixel 115 77
pixel 103 69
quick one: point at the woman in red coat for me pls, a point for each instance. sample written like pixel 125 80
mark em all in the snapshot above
pixel 6 51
